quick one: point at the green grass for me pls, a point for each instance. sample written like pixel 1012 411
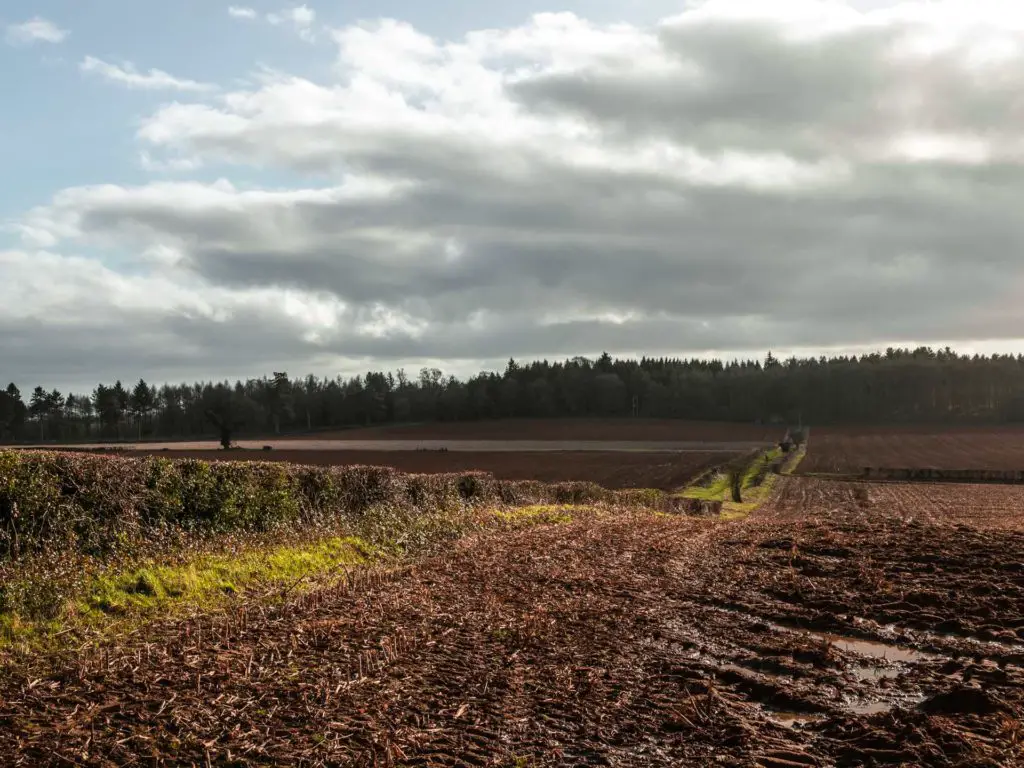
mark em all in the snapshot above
pixel 121 598
pixel 794 459
pixel 716 486
pixel 148 589
pixel 716 490
pixel 541 514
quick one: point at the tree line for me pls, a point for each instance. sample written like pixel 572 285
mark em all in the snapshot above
pixel 899 385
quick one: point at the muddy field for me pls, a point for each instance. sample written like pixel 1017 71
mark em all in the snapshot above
pixel 837 626
pixel 640 430
pixel 850 451
pixel 981 506
pixel 664 471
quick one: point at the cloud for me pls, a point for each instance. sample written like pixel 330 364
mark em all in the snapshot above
pixel 169 164
pixel 128 76
pixel 162 326
pixel 728 179
pixel 35 30
pixel 241 12
pixel 300 18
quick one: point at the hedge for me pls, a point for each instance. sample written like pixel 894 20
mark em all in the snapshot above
pixel 105 506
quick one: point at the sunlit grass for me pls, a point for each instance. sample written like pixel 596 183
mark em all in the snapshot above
pixel 148 589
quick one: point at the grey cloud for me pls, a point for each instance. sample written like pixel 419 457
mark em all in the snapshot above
pixel 751 85
pixel 523 242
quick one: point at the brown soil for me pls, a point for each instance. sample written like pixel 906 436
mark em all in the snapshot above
pixel 669 430
pixel 851 452
pixel 664 471
pixel 629 640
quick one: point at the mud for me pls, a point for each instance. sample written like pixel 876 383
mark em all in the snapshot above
pixel 617 641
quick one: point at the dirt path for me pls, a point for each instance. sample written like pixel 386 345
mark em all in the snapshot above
pixel 624 641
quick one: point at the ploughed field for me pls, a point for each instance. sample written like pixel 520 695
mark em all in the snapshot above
pixel 664 471
pixel 638 430
pixel 840 624
pixel 846 451
pixel 615 453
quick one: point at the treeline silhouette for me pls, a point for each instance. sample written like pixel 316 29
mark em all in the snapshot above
pixel 899 385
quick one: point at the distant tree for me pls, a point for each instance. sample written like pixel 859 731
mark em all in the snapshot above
pixel 38 406
pixel 897 385
pixel 281 400
pixel 12 412
pixel 141 403
pixel 106 403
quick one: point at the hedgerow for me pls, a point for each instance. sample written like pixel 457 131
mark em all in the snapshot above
pixel 108 505
pixel 70 518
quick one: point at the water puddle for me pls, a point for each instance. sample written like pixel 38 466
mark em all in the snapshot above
pixel 870 674
pixel 872 648
pixel 866 708
pixel 792 720
pixel 987 647
pixel 876 650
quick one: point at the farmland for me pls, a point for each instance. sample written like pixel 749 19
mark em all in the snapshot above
pixel 839 623
pixel 621 430
pixel 851 450
pixel 664 471
pixel 635 453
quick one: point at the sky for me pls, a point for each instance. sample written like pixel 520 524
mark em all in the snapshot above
pixel 198 190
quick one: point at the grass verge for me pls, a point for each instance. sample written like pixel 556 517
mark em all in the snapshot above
pixel 757 480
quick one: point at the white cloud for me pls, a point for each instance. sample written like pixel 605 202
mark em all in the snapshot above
pixel 726 180
pixel 35 30
pixel 169 164
pixel 129 76
pixel 241 12
pixel 300 18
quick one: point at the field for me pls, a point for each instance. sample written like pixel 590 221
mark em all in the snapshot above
pixel 624 453
pixel 850 451
pixel 664 471
pixel 832 624
pixel 639 430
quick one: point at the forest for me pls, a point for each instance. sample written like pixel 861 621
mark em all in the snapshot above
pixel 895 386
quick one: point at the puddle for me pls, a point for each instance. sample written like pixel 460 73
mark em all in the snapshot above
pixel 869 674
pixel 872 648
pixel 792 720
pixel 868 708
pixel 941 638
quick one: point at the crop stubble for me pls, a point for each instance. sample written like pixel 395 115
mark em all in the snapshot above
pixel 627 640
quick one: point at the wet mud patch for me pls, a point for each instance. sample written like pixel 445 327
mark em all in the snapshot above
pixel 910 627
